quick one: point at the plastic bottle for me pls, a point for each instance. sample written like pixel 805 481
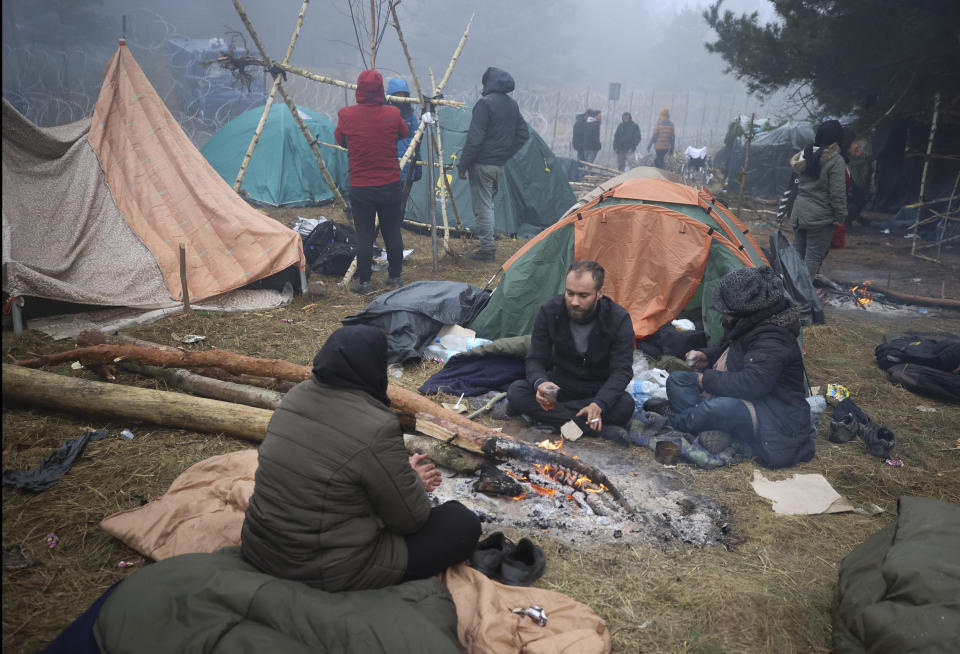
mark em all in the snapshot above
pixel 476 342
pixel 818 404
pixel 437 352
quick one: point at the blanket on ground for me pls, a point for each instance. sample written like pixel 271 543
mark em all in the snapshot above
pixel 203 512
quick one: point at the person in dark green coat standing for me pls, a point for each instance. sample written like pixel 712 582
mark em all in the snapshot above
pixel 821 202
pixel 337 502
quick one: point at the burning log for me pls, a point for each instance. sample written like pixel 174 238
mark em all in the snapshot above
pixel 912 299
pixel 494 481
pixel 482 440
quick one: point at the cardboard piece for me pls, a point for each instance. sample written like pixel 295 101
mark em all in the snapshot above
pixel 801 495
pixel 571 431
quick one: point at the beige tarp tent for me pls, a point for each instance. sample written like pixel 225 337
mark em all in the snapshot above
pixel 94 212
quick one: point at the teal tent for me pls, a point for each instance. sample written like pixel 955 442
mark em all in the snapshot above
pixel 533 192
pixel 283 170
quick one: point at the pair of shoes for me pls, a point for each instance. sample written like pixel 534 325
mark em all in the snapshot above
pixel 483 255
pixel 499 558
pixel 393 282
pixel 361 287
pixel 714 441
pixel 879 440
pixel 615 433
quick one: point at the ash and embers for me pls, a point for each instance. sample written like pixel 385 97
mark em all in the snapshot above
pixel 569 507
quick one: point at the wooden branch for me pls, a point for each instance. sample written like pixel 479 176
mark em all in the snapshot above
pixel 184 289
pixel 415 141
pixel 229 361
pixel 208 387
pixel 352 268
pixel 406 50
pixel 486 407
pixel 456 55
pixel 338 198
pixel 93 337
pixel 913 299
pixel 497 447
pixel 443 175
pixel 317 77
pixel 266 108
pixel 157 407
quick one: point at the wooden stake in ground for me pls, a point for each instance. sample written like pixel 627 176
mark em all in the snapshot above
pixel 184 289
pixel 266 108
pixel 443 173
pixel 158 407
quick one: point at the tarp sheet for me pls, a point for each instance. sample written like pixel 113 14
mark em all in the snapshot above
pixel 413 314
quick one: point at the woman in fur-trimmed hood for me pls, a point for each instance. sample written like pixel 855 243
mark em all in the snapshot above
pixel 750 385
pixel 821 202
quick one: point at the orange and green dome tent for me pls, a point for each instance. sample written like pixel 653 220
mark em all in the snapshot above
pixel 663 246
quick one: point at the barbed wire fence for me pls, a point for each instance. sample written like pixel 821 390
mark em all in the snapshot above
pixel 58 85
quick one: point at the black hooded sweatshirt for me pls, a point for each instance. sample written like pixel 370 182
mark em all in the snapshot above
pixel 497 130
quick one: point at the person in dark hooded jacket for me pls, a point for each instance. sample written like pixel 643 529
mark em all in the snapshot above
pixel 337 503
pixel 625 140
pixel 751 385
pixel 370 130
pixel 497 132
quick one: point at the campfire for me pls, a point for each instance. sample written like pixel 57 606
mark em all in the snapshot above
pixel 861 294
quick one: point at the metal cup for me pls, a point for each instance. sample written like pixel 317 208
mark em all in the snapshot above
pixel 666 452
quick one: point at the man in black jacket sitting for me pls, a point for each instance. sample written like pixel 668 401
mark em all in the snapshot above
pixel 580 359
pixel 751 384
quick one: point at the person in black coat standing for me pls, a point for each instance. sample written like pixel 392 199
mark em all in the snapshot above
pixel 750 386
pixel 625 140
pixel 497 132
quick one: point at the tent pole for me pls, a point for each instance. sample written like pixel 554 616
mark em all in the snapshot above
pixel 428 119
pixel 415 141
pixel 266 108
pixel 435 133
pixel 926 166
pixel 338 198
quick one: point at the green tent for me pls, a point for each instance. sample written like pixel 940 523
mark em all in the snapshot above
pixel 663 246
pixel 283 170
pixel 533 192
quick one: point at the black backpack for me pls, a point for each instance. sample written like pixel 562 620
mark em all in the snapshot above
pixel 331 247
pixel 938 351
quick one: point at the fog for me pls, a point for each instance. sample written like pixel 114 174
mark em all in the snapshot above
pixel 563 54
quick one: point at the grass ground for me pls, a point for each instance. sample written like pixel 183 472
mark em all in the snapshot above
pixel 769 590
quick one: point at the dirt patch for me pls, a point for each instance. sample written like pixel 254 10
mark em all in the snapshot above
pixel 767 587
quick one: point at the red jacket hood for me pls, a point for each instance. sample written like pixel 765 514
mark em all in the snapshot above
pixel 370 88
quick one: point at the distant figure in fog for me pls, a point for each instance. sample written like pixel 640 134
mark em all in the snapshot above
pixel 663 139
pixel 625 141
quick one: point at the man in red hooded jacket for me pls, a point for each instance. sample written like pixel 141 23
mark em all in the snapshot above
pixel 370 130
